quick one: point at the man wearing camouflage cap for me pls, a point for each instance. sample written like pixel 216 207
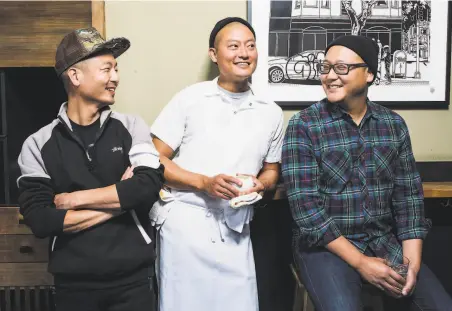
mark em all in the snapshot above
pixel 88 181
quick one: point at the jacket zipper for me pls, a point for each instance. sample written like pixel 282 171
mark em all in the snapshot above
pixel 77 139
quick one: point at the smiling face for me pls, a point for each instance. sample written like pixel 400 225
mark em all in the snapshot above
pixel 98 79
pixel 342 88
pixel 235 52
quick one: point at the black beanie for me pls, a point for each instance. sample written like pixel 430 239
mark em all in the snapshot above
pixel 365 47
pixel 220 25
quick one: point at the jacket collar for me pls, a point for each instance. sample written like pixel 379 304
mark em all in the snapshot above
pixel 62 114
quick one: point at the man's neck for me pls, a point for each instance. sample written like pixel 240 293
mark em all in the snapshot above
pixel 82 112
pixel 356 108
pixel 233 86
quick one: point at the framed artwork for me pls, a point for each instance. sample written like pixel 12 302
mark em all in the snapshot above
pixel 413 39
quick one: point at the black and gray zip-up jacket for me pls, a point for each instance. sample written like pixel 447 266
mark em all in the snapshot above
pixel 53 160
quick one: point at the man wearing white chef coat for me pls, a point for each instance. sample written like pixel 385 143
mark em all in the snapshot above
pixel 206 135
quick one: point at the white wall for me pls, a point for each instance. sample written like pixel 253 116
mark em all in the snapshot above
pixel 169 51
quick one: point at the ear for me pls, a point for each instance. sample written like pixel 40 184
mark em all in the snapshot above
pixel 213 54
pixel 370 76
pixel 74 76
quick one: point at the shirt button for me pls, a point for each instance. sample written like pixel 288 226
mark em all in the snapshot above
pixel 362 158
pixel 235 112
pixel 251 104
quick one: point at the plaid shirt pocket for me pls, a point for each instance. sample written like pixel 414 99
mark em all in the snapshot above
pixel 336 170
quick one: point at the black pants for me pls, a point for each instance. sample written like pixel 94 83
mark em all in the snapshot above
pixel 133 297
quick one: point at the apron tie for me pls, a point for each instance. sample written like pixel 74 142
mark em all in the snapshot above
pixel 213 213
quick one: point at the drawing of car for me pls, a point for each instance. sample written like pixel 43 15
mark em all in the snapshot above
pixel 301 66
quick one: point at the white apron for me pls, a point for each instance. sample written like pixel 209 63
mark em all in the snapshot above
pixel 203 265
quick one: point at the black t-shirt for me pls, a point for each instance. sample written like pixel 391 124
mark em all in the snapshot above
pixel 86 133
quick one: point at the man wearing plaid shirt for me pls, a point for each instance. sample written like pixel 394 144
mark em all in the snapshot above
pixel 355 194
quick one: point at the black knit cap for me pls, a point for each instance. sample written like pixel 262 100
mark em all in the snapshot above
pixel 365 47
pixel 221 24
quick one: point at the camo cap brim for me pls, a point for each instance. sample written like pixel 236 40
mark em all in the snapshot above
pixel 84 43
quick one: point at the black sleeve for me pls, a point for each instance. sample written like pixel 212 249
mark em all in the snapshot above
pixel 36 205
pixel 142 189
pixel 36 193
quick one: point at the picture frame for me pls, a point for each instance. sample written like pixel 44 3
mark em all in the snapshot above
pixel 414 39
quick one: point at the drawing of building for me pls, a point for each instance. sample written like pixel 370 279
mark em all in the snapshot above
pixel 301 25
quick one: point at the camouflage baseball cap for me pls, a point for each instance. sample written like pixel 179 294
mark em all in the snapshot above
pixel 80 44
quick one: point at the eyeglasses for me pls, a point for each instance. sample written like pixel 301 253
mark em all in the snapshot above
pixel 339 69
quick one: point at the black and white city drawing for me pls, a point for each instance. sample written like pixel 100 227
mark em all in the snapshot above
pixel 300 30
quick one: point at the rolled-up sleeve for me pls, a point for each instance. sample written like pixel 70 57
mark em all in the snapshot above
pixel 300 172
pixel 408 195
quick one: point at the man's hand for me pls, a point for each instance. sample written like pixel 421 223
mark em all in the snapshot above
pixel 258 186
pixel 375 271
pixel 411 280
pixel 222 186
pixel 128 173
pixel 66 200
pixel 69 201
pixel 412 250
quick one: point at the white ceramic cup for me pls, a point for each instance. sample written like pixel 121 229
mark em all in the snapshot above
pixel 247 182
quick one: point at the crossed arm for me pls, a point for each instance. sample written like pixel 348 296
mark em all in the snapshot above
pixel 48 214
pixel 104 200
pixel 76 221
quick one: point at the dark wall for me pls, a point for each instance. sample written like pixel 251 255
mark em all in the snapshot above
pixel 437 252
pixel 271 233
pixel 33 97
pixel 437 248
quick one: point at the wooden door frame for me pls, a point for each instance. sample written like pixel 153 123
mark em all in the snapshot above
pixel 98 16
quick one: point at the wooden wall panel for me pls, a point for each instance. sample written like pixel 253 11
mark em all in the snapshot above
pixel 98 16
pixel 23 248
pixel 24 274
pixel 31 30
pixel 23 258
pixel 10 221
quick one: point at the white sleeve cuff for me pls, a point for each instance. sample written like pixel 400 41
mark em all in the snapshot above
pixel 144 155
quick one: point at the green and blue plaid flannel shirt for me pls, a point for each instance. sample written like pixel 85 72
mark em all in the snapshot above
pixel 359 182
